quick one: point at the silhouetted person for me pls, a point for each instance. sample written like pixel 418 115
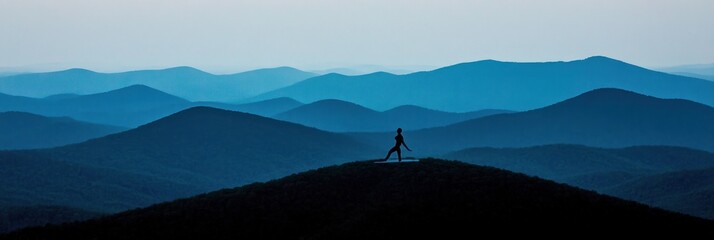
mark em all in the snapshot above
pixel 398 144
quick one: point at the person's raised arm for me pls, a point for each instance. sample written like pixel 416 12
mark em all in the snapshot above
pixel 405 145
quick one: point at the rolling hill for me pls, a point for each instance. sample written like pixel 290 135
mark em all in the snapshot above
pixel 340 116
pixel 495 85
pixel 572 163
pixel 673 178
pixel 361 200
pixel 29 179
pixel 687 191
pixel 177 147
pixel 195 150
pixel 25 131
pixel 129 107
pixel 602 118
pixel 185 82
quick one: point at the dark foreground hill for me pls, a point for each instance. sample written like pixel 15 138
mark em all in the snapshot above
pixel 367 200
pixel 13 218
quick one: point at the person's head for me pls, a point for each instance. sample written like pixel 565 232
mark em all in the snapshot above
pixel 399 130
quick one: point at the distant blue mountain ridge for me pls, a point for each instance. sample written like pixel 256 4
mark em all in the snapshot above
pixel 138 104
pixel 493 84
pixel 130 106
pixel 463 87
pixel 185 82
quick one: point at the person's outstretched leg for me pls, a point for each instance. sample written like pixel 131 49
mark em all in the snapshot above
pixel 399 153
pixel 389 154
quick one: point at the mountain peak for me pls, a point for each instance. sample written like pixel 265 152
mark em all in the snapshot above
pixel 137 93
pixel 185 69
pixel 408 107
pixel 276 71
pixel 333 102
pixel 610 98
pixel 330 105
pixel 611 92
pixel 203 110
pixel 602 60
pixel 140 88
pixel 75 71
pixel 380 74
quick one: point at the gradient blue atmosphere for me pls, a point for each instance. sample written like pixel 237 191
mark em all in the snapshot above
pixel 349 119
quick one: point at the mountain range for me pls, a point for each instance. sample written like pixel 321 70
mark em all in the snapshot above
pixel 185 82
pixel 25 130
pixel 492 84
pixel 341 116
pixel 601 118
pixel 203 149
pixel 364 200
pixel 130 106
pixel 646 142
pixel 138 104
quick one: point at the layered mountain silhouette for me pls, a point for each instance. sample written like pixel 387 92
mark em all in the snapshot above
pixel 495 85
pixel 673 178
pixel 25 131
pixel 366 200
pixel 185 82
pixel 217 147
pixel 602 118
pixel 341 116
pixel 130 106
pixel 196 150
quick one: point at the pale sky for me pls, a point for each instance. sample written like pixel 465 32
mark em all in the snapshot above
pixel 232 35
